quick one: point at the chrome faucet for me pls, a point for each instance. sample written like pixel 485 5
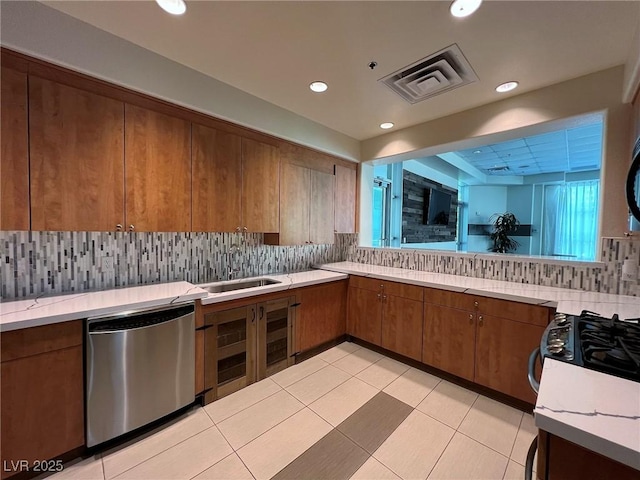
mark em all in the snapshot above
pixel 231 272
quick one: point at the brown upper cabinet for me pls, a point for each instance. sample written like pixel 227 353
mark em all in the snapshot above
pixel 217 180
pixel 306 206
pixel 260 186
pixel 158 171
pixel 76 157
pixel 345 199
pixel 14 158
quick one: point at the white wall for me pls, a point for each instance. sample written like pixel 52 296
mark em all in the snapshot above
pixel 46 33
pixel 530 113
pixel 484 201
pixel 520 203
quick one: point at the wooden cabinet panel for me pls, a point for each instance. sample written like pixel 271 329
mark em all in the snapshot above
pixel 568 461
pixel 502 352
pixel 451 299
pixel 402 326
pixel 76 158
pixel 199 348
pixel 217 180
pixel 345 195
pixel 403 290
pixel 372 284
pixel 260 186
pixel 158 171
pixel 294 204
pixel 42 406
pixel 14 154
pixel 322 314
pixel 364 315
pixel 449 340
pixel 32 341
pixel 521 312
pixel 321 221
pixel 275 339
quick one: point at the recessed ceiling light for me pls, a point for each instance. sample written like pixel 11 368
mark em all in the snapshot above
pixel 174 7
pixel 506 87
pixel 477 151
pixel 464 8
pixel 318 87
pixel 386 125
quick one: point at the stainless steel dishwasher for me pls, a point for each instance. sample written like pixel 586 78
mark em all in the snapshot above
pixel 140 366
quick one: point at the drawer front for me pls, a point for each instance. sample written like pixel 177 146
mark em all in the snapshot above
pixel 446 298
pixel 365 283
pixel 403 290
pixel 35 340
pixel 520 312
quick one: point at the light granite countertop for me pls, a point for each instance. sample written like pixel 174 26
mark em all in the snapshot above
pixel 598 411
pixel 564 299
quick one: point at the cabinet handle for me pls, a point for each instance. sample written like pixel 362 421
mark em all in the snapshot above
pixel 245 229
pixel 253 315
pixel 261 312
pixel 475 304
pixel 119 227
pixel 131 228
pixel 471 318
pixel 384 298
pixel 238 229
pixel 379 296
pixel 480 318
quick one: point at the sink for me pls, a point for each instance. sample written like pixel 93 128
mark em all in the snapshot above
pixel 229 287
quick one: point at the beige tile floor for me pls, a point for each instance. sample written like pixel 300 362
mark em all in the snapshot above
pixel 450 432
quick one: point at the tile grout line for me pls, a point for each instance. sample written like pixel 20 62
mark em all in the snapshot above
pixel 517 432
pixel 487 446
pixel 160 453
pixel 242 410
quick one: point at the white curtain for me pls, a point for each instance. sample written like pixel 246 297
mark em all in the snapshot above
pixel 570 219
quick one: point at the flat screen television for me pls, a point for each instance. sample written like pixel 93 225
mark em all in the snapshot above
pixel 437 205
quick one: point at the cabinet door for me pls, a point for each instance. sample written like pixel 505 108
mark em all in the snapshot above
pixel 502 352
pixel 14 156
pixel 364 315
pixel 217 180
pixel 321 220
pixel 321 316
pixel 77 158
pixel 448 340
pixel 294 204
pixel 260 186
pixel 42 405
pixel 402 326
pixel 275 336
pixel 158 171
pixel 229 351
pixel 345 199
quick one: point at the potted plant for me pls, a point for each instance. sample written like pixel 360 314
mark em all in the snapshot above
pixel 503 225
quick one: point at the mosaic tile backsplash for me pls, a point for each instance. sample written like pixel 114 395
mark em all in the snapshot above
pixel 605 276
pixel 35 263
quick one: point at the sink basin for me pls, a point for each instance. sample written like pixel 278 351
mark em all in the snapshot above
pixel 229 287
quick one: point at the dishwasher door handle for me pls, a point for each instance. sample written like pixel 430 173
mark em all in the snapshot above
pixel 535 385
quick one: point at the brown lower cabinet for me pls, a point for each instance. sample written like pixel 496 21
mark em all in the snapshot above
pixel 42 393
pixel 491 349
pixel 322 314
pixel 246 343
pixel 560 459
pixel 388 314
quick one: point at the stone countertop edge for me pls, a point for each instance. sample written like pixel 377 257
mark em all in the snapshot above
pixel 595 410
pixel 49 310
pixel 565 300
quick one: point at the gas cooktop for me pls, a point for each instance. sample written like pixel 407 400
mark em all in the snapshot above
pixel 609 345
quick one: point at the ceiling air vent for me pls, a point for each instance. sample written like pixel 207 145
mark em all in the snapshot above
pixel 438 73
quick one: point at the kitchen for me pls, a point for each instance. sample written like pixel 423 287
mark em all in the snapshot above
pixel 275 225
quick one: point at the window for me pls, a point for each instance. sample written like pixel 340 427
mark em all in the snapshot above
pixel 570 219
pixel 381 210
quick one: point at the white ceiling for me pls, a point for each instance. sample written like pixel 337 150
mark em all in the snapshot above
pixel 571 150
pixel 273 50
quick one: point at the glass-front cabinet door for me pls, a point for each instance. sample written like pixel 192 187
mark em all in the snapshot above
pixel 230 339
pixel 275 336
